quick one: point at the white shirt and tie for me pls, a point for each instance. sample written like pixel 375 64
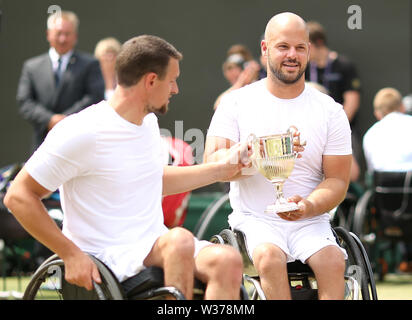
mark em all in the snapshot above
pixel 59 63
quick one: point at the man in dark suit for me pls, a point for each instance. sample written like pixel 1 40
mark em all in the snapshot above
pixel 60 82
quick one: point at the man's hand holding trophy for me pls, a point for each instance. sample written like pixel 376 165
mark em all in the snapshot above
pixel 274 157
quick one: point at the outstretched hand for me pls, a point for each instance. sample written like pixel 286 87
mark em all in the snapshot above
pixel 236 158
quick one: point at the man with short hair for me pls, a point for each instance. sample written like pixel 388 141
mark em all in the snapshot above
pixel 60 82
pixel 319 180
pixel 108 162
pixel 384 142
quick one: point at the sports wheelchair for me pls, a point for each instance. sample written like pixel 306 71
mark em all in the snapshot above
pixel 383 217
pixel 358 274
pixel 48 283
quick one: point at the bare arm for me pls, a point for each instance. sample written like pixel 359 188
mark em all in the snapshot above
pixel 217 148
pixel 181 179
pixel 329 193
pixel 23 199
pixel 351 101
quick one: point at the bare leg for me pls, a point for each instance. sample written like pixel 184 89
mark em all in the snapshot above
pixel 270 263
pixel 220 267
pixel 328 264
pixel 174 253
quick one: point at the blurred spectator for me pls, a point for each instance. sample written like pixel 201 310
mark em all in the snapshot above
pixel 384 143
pixel 60 82
pixel 263 61
pixel 106 52
pixel 355 169
pixel 339 76
pixel 407 102
pixel 317 86
pixel 239 69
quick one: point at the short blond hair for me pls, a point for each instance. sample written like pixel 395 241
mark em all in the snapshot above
pixel 65 15
pixel 109 44
pixel 387 100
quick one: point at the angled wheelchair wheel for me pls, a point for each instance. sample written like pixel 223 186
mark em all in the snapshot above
pixel 357 264
pixel 48 283
pixel 205 223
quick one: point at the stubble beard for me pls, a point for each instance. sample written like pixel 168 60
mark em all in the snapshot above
pixel 276 72
pixel 158 111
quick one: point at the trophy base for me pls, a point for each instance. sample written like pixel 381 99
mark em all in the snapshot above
pixel 281 207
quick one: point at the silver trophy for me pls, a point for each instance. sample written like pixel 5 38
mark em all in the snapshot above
pixel 274 158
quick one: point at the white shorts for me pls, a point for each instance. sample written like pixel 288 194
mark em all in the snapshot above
pixel 298 239
pixel 127 260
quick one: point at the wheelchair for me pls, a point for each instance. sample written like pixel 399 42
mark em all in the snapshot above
pixel 358 274
pixel 48 283
pixel 343 214
pixel 383 217
pixel 20 253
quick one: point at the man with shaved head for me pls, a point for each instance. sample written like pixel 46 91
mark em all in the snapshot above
pixel 320 177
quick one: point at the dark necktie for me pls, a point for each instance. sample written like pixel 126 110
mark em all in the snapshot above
pixel 57 73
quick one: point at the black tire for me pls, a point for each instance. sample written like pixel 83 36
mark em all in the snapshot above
pixel 366 228
pixel 51 273
pixel 354 259
pixel 368 265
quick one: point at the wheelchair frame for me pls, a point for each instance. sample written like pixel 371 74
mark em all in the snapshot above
pixel 357 267
pixel 367 221
pixel 148 284
pixel 356 254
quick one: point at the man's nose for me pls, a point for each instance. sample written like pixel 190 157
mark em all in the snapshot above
pixel 175 88
pixel 291 52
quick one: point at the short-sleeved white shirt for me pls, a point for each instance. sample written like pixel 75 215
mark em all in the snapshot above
pixel 384 143
pixel 110 176
pixel 253 109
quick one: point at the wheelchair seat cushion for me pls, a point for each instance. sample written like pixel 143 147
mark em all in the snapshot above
pixel 298 267
pixel 151 278
pixel 146 279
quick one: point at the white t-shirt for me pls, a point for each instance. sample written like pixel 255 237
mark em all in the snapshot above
pixel 110 176
pixel 253 109
pixel 384 143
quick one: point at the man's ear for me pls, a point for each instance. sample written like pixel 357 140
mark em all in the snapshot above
pixel 150 80
pixel 263 48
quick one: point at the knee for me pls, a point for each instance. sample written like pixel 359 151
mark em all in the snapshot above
pixel 268 258
pixel 225 263
pixel 336 263
pixel 329 259
pixel 178 242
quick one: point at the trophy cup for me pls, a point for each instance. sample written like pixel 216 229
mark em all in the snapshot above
pixel 274 158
